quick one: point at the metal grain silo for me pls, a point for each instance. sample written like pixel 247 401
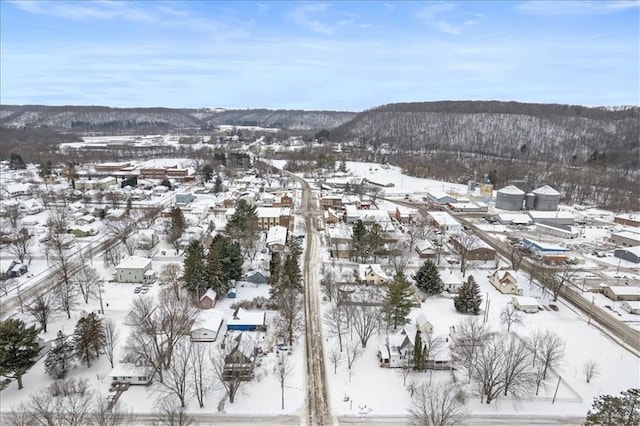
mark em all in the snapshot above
pixel 510 198
pixel 529 201
pixel 547 199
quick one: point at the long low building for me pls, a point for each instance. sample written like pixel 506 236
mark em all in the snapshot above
pixel 625 238
pixel 631 254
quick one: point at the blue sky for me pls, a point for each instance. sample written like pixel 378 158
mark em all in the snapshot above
pixel 317 55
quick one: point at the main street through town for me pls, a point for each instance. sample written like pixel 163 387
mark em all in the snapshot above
pixel 317 404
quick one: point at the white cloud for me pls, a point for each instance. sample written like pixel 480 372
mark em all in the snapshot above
pixel 582 7
pixel 432 16
pixel 306 17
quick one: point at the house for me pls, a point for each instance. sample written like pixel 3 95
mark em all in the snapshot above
pixel 631 254
pixel 244 320
pixel 425 249
pixel 11 268
pixel 257 277
pixel 622 292
pixel 273 216
pixel 331 201
pixel 146 239
pixel 372 274
pixel 396 351
pixel 132 319
pixel 477 250
pixel 419 320
pixel 451 280
pixel 405 214
pixel 132 374
pixel 277 238
pixel 505 282
pixel 330 217
pixel 30 206
pixel 184 198
pixel 132 269
pixel 525 304
pixel 444 221
pixel 240 361
pixel 631 307
pixel 208 299
pixel 207 326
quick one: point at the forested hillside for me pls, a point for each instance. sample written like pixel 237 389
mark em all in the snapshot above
pixel 539 132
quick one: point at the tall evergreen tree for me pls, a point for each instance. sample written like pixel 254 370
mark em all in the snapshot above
pixel 230 257
pixel 399 298
pixel 374 241
pixel 427 278
pixel 194 269
pixel 18 348
pixel 359 240
pixel 213 274
pixel 469 299
pixel 207 172
pixel 608 410
pixel 217 185
pixel 287 277
pixel 59 359
pixel 418 352
pixel 88 338
pixel 176 227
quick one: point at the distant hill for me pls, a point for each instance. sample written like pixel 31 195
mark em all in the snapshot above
pixel 539 132
pixel 98 119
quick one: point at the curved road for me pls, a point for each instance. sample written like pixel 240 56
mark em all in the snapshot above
pixel 317 402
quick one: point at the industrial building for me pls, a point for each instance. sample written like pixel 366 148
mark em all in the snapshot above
pixel 546 199
pixel 510 198
pixel 631 254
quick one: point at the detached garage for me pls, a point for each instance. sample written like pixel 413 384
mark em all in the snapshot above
pixel 247 321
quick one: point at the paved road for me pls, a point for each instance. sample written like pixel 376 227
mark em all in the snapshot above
pixel 317 402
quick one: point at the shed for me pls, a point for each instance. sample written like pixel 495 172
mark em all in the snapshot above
pixel 525 304
pixel 208 299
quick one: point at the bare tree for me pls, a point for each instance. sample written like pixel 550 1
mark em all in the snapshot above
pixel 66 402
pixel 20 243
pixel 283 370
pixel 365 316
pixel 516 254
pixel 170 276
pixel 176 380
pixel 160 328
pixel 111 336
pixel 171 413
pixel 488 368
pixel 517 376
pixel 510 316
pixel 88 281
pixel 289 304
pixel 329 284
pixel 336 321
pixel 335 356
pixel 464 242
pixel 468 336
pixel 352 350
pixel 66 296
pixel 122 230
pixel 556 278
pixel 115 416
pixel 442 404
pixel 231 374
pixel 547 349
pixel 41 308
pixel 202 379
pixel 591 370
pixel 145 218
pixel 430 344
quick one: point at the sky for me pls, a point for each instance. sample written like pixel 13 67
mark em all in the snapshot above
pixel 317 55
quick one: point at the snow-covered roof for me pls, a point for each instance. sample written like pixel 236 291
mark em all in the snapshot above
pixel 134 262
pixel 545 190
pixel 536 214
pixel 277 235
pixel 633 250
pixel 247 317
pixel 363 270
pixel 511 189
pixel 210 293
pixel 625 290
pixel 627 234
pixel 526 301
pixel 444 218
pixel 211 319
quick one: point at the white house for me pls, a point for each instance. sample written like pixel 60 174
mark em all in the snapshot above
pixel 30 206
pixel 372 274
pixel 525 304
pixel 451 280
pixel 277 238
pixel 505 282
pixel 132 269
pixel 207 326
pixel 126 372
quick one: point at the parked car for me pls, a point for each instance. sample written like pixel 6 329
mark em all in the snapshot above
pixel 137 290
pixel 554 307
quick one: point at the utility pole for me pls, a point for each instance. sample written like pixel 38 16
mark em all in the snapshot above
pixel 593 299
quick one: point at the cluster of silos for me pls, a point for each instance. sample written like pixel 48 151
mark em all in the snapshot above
pixel 546 199
pixel 510 198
